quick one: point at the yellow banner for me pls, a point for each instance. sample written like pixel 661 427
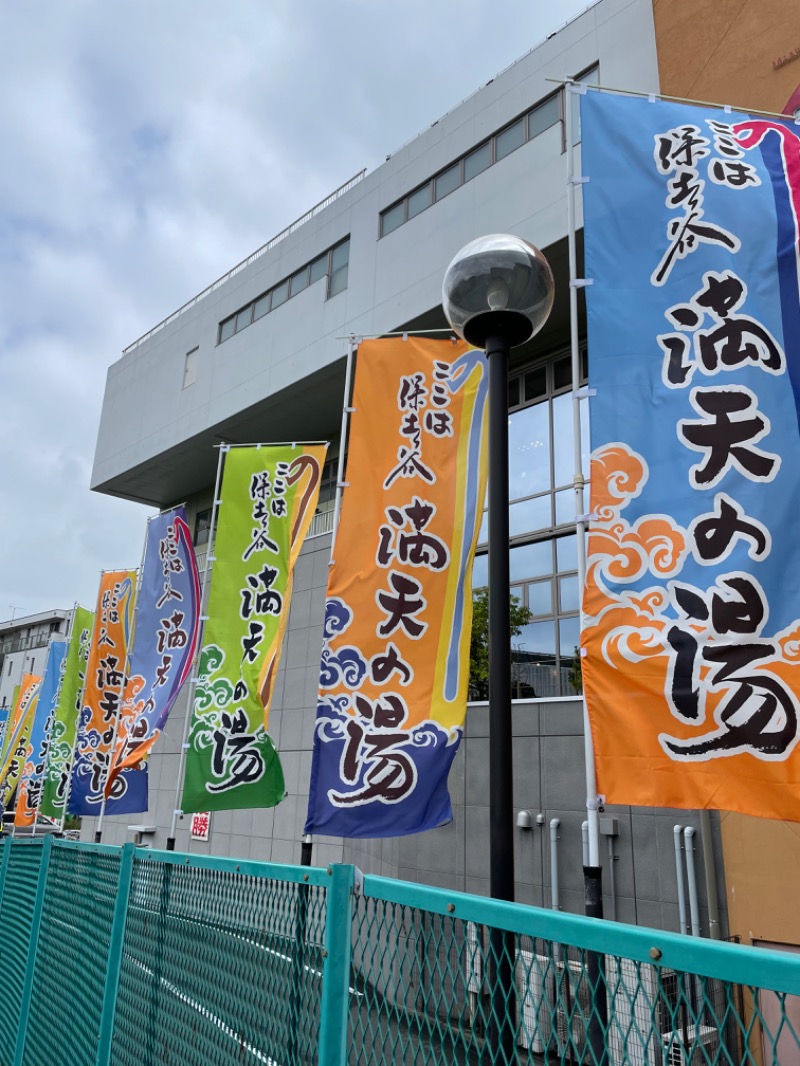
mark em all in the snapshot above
pixel 16 747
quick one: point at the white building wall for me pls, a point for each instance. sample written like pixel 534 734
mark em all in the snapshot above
pixel 147 411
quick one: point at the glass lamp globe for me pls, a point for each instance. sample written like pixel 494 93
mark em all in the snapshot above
pixel 498 286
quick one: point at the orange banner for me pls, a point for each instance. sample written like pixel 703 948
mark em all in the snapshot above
pixel 105 681
pixel 395 659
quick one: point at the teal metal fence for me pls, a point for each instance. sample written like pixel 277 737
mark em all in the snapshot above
pixel 130 956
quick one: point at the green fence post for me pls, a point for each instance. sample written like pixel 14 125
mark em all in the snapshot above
pixel 33 943
pixel 115 946
pixel 335 1005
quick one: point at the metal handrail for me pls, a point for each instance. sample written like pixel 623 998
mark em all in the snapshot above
pixel 315 210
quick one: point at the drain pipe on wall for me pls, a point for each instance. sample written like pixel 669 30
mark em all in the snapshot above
pixel 691 876
pixel 585 839
pixel 609 828
pixel 678 833
pixel 710 871
pixel 554 887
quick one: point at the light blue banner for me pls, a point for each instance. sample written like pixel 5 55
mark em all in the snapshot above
pixel 691 631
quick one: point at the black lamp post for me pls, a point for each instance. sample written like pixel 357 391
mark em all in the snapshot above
pixel 497 293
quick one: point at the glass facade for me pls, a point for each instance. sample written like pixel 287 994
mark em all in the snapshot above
pixel 544 549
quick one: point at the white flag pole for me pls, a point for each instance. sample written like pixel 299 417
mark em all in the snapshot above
pixel 307 845
pixel 209 558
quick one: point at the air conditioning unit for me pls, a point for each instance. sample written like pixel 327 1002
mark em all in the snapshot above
pixel 474 958
pixel 696 1046
pixel 535 1021
pixel 573 1005
pixel 474 949
pixel 634 1005
pixel 643 1010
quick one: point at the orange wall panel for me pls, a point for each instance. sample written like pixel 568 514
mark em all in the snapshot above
pixel 725 51
pixel 762 874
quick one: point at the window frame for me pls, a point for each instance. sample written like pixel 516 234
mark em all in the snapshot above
pixel 325 258
pixel 524 118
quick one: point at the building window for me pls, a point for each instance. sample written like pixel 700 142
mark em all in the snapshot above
pixel 202 527
pixel 332 264
pixel 340 261
pixel 524 128
pixel 543 554
pixel 190 368
pixel 327 487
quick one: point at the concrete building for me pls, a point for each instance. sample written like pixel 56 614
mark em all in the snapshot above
pixel 260 356
pixel 23 648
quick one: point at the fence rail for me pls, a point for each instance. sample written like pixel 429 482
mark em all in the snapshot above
pixel 126 955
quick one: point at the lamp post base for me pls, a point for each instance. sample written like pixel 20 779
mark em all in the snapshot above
pixel 595 968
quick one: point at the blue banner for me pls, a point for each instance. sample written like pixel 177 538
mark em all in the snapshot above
pixel 165 638
pixel 32 780
pixel 691 628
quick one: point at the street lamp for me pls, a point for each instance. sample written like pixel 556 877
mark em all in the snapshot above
pixel 497 293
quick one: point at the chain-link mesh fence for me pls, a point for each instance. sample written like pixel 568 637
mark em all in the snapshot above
pixel 219 966
pixel 154 958
pixel 435 987
pixel 72 954
pixel 20 881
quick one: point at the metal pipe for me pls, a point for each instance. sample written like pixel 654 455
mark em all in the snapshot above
pixel 678 833
pixel 554 887
pixel 691 876
pixel 305 850
pixel 501 807
pixel 612 877
pixel 592 870
pixel 307 844
pixel 579 481
pixel 710 871
pixel 198 647
pixel 609 89
pixel 501 811
pixel 346 412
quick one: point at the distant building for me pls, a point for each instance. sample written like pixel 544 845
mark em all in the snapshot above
pixel 23 648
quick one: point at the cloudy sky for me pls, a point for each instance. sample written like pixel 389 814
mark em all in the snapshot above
pixel 148 146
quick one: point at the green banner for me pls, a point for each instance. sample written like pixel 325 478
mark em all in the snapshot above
pixel 65 723
pixel 268 499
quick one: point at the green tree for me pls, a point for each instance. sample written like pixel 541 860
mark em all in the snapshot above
pixel 576 671
pixel 479 642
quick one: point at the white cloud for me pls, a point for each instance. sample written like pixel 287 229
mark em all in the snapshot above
pixel 147 147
